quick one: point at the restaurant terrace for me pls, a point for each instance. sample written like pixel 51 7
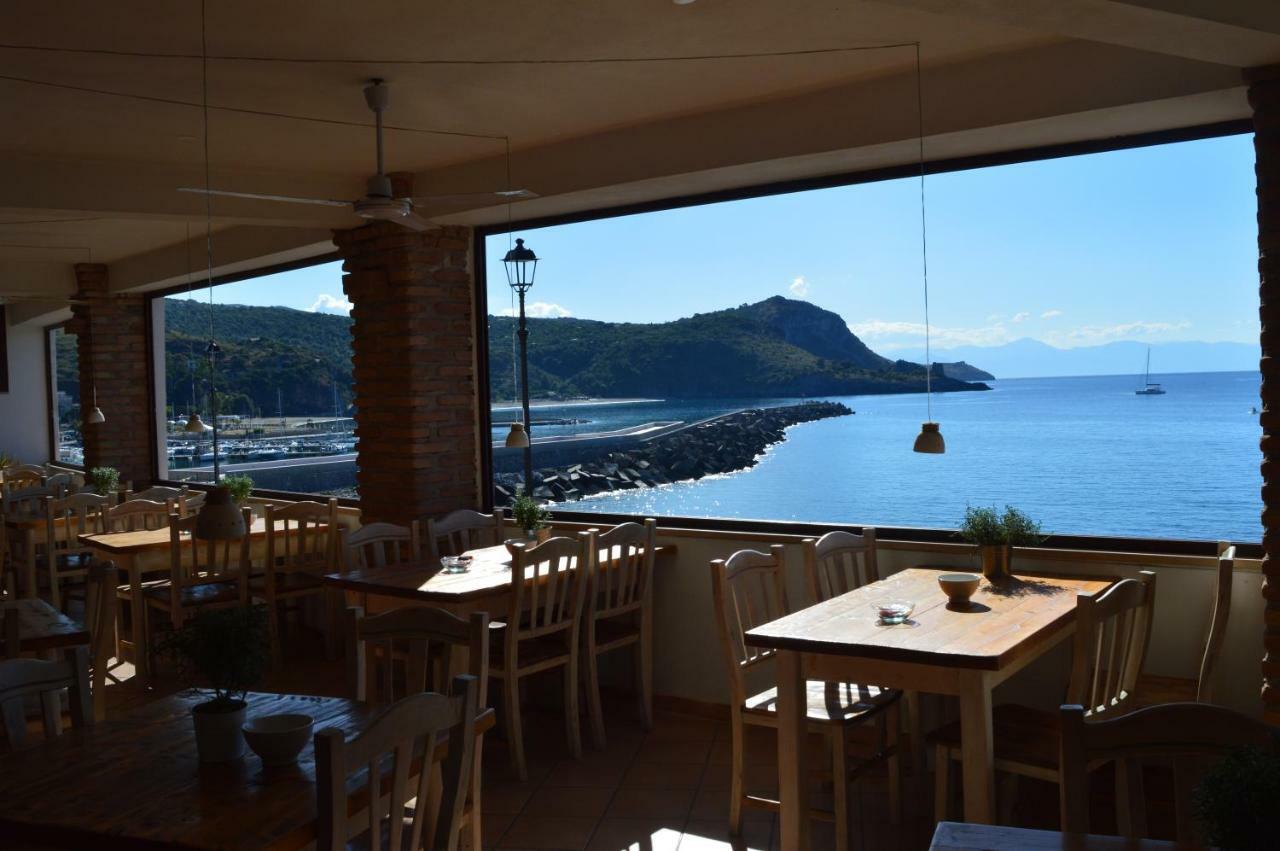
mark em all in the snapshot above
pixel 612 682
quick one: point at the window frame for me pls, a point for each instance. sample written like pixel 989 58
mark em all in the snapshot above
pixel 54 434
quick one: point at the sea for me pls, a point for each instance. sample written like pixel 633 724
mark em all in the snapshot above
pixel 1081 455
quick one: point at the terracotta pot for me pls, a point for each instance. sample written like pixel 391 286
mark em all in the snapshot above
pixel 537 536
pixel 996 562
pixel 218 734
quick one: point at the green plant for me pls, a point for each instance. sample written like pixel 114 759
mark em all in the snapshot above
pixel 986 527
pixel 6 460
pixel 104 480
pixel 529 514
pixel 224 648
pixel 1235 802
pixel 239 485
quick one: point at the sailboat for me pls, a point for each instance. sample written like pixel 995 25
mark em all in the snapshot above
pixel 1149 389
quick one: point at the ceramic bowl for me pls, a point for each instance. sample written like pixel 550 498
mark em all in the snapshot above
pixel 278 739
pixel 959 587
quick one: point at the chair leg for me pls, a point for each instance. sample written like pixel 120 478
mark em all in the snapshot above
pixel 735 776
pixel 474 828
pixel 941 782
pixel 515 733
pixel 893 739
pixel 594 710
pixel 841 788
pixel 572 723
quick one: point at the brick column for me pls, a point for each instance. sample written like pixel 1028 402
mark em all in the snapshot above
pixel 414 346
pixel 111 341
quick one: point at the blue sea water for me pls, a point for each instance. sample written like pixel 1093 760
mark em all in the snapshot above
pixel 1082 455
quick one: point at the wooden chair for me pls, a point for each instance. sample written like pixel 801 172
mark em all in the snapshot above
pixel 100 621
pixel 378 545
pixel 62 484
pixel 1113 631
pixel 549 586
pixel 299 553
pixel 25 504
pixel 399 732
pixel 462 530
pixel 415 648
pixel 22 476
pixel 203 574
pixel 748 589
pixel 183 499
pixel 620 614
pixel 1153 689
pixel 65 520
pixel 21 679
pixel 137 515
pixel 1191 735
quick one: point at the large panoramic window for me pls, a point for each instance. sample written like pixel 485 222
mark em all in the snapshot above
pixel 64 408
pixel 1093 328
pixel 277 384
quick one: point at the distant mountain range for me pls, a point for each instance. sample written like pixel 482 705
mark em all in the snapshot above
pixel 1027 358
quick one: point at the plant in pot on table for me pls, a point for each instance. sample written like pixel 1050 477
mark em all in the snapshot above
pixel 241 487
pixel 224 649
pixel 104 481
pixel 995 536
pixel 532 517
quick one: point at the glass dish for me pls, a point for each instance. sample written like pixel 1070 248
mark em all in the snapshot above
pixel 893 612
pixel 455 564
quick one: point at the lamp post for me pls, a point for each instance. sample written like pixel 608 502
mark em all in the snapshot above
pixel 521 264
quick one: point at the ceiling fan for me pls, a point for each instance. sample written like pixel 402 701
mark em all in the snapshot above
pixel 379 202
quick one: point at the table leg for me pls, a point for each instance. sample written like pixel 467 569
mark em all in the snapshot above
pixel 141 665
pixel 793 752
pixel 978 757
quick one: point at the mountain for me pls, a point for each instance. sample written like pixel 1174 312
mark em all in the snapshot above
pixel 963 371
pixel 1027 358
pixel 777 347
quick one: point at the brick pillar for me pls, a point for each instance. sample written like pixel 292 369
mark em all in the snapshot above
pixel 111 340
pixel 414 347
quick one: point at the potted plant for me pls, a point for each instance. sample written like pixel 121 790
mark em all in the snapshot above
pixel 1235 801
pixel 995 535
pixel 105 481
pixel 532 517
pixel 226 650
pixel 240 487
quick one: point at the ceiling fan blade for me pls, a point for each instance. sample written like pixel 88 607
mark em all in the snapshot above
pixel 503 194
pixel 253 196
pixel 415 222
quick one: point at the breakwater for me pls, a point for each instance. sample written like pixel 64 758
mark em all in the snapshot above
pixel 721 445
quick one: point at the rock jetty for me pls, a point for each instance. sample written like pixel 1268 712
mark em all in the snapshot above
pixel 723 445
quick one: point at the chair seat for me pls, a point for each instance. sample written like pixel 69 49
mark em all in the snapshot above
pixel 67 561
pixel 290 582
pixel 532 651
pixel 616 631
pixel 829 703
pixel 157 594
pixel 1020 734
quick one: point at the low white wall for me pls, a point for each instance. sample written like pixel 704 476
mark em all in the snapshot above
pixel 24 410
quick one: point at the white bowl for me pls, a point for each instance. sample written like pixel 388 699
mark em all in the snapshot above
pixel 278 739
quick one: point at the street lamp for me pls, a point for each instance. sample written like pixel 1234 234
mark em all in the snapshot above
pixel 521 264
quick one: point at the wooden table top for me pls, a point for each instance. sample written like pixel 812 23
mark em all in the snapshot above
pixel 137 779
pixel 951 836
pixel 1000 625
pixel 150 539
pixel 490 574
pixel 42 627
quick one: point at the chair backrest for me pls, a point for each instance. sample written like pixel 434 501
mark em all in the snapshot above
pixel 21 476
pixel 78 514
pixel 839 562
pixel 301 536
pixel 1221 613
pixel 379 544
pixel 1113 630
pixel 747 589
pixel 194 561
pixel 62 483
pixel 21 679
pixel 423 637
pixel 137 515
pixel 1191 735
pixel 549 586
pixel 623 574
pixel 158 493
pixel 26 503
pixel 399 731
pixel 462 530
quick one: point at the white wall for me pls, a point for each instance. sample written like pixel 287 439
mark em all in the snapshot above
pixel 24 410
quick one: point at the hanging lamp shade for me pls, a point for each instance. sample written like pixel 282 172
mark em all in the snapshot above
pixel 220 519
pixel 929 440
pixel 95 413
pixel 517 438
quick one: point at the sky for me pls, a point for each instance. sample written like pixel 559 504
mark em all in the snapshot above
pixel 1154 244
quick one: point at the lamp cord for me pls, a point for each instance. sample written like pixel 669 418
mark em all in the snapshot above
pixel 924 240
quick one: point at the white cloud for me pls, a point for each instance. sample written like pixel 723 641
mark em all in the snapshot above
pixel 538 310
pixel 1092 335
pixel 1021 317
pixel 941 336
pixel 1051 314
pixel 326 303
pixel 799 287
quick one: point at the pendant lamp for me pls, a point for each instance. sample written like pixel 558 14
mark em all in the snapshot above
pixel 517 438
pixel 95 414
pixel 929 440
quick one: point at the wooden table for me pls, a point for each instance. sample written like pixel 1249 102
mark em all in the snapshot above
pixel 140 553
pixel 42 628
pixel 960 653
pixel 136 780
pixel 982 837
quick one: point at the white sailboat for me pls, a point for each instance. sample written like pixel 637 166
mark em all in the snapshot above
pixel 1149 389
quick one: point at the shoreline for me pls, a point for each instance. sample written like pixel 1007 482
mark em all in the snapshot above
pixel 509 405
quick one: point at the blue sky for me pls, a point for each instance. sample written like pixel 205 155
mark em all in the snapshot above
pixel 1153 244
